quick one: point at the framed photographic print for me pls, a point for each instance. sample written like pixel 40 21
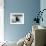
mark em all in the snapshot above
pixel 16 18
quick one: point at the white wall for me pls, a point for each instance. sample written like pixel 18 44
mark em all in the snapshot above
pixel 1 21
pixel 43 6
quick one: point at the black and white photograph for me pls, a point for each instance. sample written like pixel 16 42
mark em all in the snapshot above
pixel 16 18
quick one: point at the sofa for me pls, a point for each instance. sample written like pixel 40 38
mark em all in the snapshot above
pixel 39 38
